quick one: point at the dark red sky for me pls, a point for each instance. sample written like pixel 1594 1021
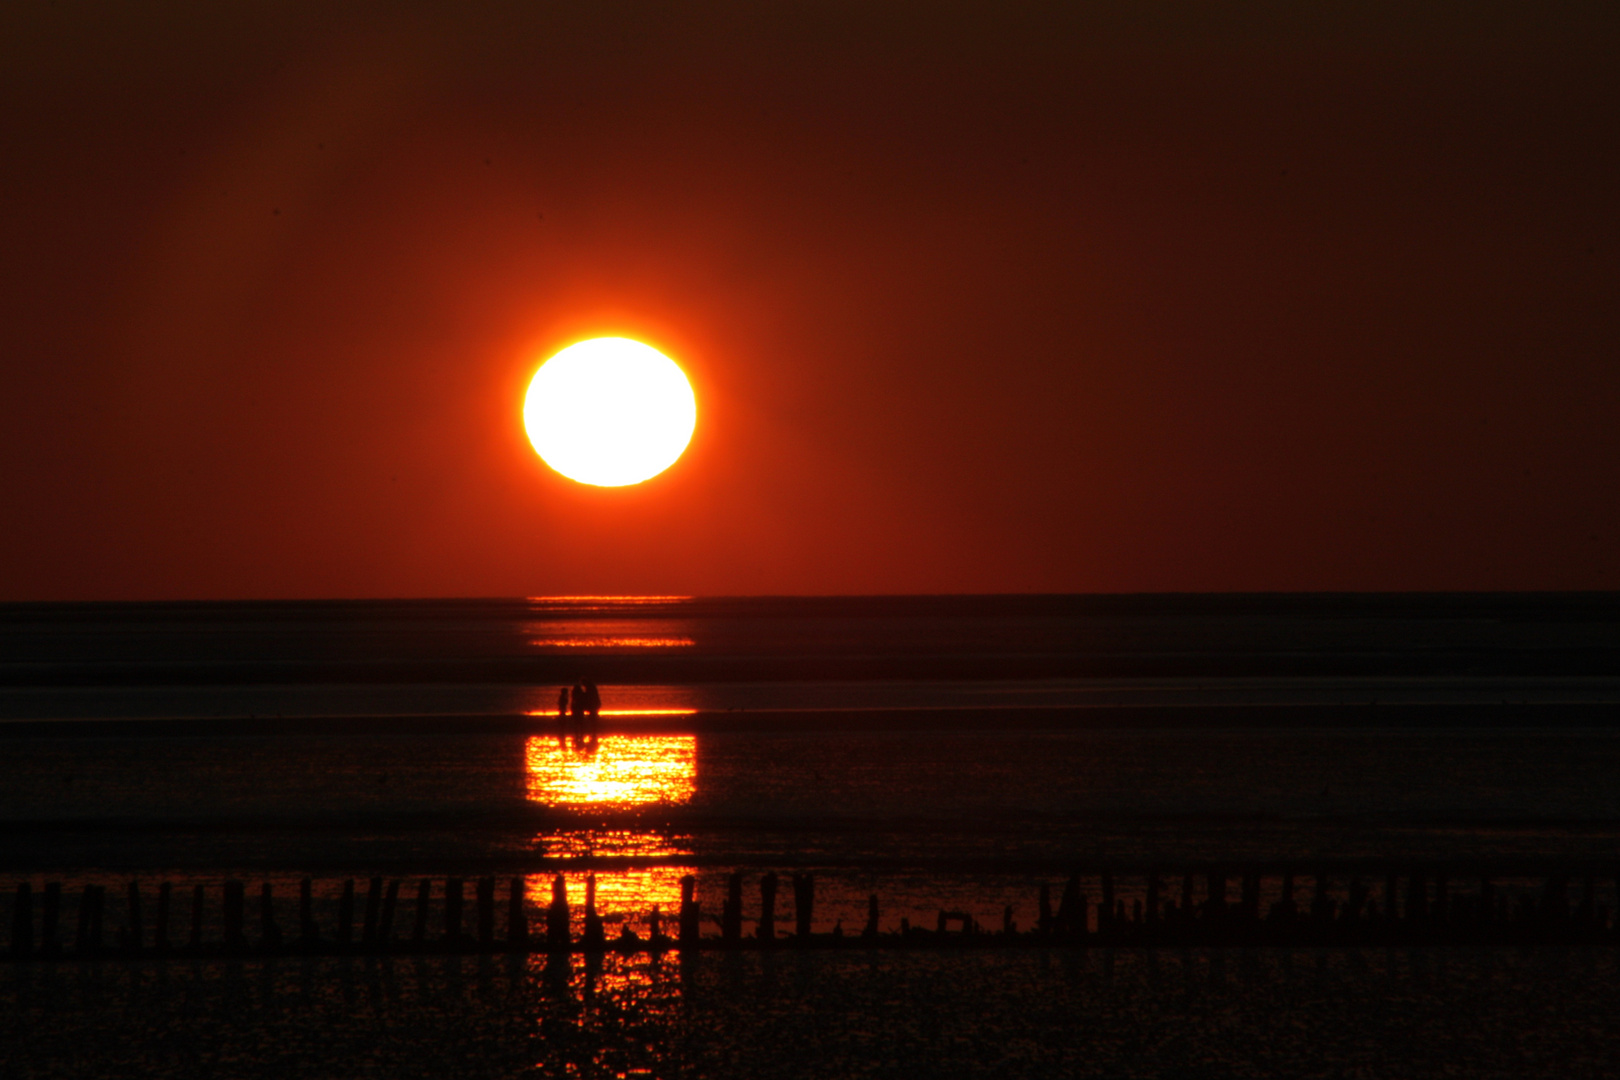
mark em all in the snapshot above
pixel 1076 297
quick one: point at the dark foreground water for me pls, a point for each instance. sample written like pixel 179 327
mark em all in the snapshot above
pixel 943 753
pixel 1124 1013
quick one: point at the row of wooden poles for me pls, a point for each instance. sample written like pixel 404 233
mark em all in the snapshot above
pixel 1432 913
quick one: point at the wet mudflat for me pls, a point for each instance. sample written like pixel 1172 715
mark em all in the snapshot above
pixel 1100 1012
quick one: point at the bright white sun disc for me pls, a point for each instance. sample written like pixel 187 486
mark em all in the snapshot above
pixel 610 412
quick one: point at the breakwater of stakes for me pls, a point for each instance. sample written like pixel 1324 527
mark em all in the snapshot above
pixel 1197 908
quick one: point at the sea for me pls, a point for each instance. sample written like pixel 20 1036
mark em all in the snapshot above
pixel 936 753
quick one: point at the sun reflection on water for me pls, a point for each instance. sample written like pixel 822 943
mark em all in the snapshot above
pixel 611 771
pixel 623 897
pixel 614 772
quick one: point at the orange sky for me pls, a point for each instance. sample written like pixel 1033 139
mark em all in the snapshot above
pixel 989 297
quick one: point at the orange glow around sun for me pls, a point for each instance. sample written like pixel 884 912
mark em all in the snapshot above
pixel 610 412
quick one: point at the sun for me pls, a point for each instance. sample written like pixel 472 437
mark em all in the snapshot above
pixel 610 412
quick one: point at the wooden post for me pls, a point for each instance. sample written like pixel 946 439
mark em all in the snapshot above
pixel 1105 913
pixel 345 931
pixel 517 917
pixel 88 941
pixel 308 932
pixel 1286 909
pixel 871 931
pixel 1154 887
pixel 1072 916
pixel 385 927
pixel 1186 911
pixel 269 932
pixel 424 894
pixel 368 927
pixel 22 923
pixel 767 908
pixel 197 896
pixel 1251 895
pixel 50 936
pixel 1417 898
pixel 235 904
pixel 134 933
pixel 558 934
pixel 655 928
pixel 690 913
pixel 1321 904
pixel 595 938
pixel 804 903
pixel 81 935
pixel 486 912
pixel 731 912
pixel 1215 904
pixel 452 909
pixel 1043 921
pixel 160 929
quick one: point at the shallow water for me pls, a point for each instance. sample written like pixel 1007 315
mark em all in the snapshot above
pixel 1117 1013
pixel 972 815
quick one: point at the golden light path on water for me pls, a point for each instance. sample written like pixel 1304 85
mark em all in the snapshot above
pixel 613 772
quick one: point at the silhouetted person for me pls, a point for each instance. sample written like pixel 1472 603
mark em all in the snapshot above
pixel 562 702
pixel 593 701
pixel 577 708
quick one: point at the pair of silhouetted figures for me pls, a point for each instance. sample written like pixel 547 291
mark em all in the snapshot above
pixel 580 701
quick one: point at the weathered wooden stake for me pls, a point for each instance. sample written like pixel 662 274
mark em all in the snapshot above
pixel 385 927
pixel 22 922
pixel 88 940
pixel 871 930
pixel 1072 915
pixel 690 913
pixel 1105 912
pixel 452 909
pixel 197 895
pixel 308 931
pixel 767 908
pixel 1251 894
pixel 424 894
pixel 50 935
pixel 134 934
pixel 81 935
pixel 235 904
pixel 486 912
pixel 595 937
pixel 1154 887
pixel 517 916
pixel 160 929
pixel 345 931
pixel 1417 898
pixel 1215 904
pixel 804 904
pixel 269 932
pixel 731 911
pixel 1043 920
pixel 558 936
pixel 368 926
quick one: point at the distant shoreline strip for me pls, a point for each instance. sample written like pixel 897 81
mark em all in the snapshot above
pixel 1369 715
